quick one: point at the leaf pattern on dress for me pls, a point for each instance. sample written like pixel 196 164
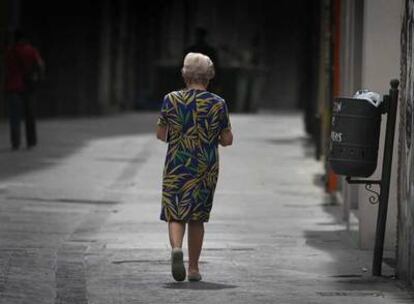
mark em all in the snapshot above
pixel 194 120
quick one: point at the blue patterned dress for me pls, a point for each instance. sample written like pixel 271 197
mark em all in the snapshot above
pixel 194 119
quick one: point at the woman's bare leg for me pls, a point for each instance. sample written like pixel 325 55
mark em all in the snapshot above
pixel 176 232
pixel 195 243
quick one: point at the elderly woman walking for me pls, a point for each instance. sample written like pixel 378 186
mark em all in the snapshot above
pixel 194 122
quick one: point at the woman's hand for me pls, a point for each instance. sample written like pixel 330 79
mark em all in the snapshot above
pixel 226 138
pixel 162 133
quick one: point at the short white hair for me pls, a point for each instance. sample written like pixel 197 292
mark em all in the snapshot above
pixel 197 68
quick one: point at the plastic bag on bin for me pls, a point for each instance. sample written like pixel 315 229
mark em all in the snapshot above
pixel 373 97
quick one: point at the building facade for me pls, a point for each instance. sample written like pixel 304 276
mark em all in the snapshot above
pixel 405 168
pixel 375 46
pixel 112 55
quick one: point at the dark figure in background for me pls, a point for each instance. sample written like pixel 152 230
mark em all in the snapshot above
pixel 201 46
pixel 24 67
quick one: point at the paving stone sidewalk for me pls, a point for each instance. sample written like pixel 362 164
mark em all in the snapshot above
pixel 79 221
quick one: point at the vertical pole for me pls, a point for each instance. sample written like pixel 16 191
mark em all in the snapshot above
pixel 332 180
pixel 385 178
pixel 3 31
pixel 120 57
pixel 105 70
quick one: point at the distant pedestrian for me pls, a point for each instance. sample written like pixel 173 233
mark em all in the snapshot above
pixel 24 68
pixel 202 45
pixel 194 122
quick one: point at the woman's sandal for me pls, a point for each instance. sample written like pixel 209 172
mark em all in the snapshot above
pixel 177 265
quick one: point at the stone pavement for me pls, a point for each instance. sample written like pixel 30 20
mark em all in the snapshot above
pixel 79 221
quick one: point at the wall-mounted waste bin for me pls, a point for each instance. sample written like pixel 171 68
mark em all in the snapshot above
pixel 355 131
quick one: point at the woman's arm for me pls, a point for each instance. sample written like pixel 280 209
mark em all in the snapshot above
pixel 162 133
pixel 226 138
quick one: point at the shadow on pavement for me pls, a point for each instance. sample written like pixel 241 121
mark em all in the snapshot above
pixel 198 286
pixel 350 269
pixel 62 200
pixel 306 142
pixel 287 140
pixel 60 138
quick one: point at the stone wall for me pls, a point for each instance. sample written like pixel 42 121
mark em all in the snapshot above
pixel 405 248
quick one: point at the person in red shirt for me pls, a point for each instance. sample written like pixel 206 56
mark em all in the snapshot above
pixel 24 67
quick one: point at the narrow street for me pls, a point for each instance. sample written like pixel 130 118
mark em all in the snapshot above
pixel 79 221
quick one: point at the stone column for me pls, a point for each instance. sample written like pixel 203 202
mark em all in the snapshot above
pixel 105 68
